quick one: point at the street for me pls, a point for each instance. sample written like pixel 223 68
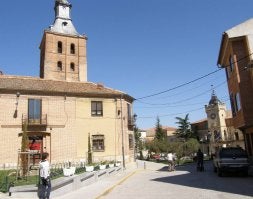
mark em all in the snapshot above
pixel 186 182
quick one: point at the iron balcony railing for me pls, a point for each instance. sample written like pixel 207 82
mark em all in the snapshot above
pixel 35 120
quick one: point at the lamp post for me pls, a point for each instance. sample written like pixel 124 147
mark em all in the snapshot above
pixel 134 129
pixel 16 103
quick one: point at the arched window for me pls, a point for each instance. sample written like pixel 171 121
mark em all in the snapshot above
pixel 59 66
pixel 72 66
pixel 59 47
pixel 72 49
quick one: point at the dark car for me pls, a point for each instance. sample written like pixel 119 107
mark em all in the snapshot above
pixel 231 159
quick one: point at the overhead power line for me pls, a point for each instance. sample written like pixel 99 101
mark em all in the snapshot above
pixel 197 79
pixel 179 86
pixel 181 101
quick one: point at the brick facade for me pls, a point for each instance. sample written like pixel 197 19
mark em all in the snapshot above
pixel 69 122
pixel 235 57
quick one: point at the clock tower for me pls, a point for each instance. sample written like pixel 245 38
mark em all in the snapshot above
pixel 216 115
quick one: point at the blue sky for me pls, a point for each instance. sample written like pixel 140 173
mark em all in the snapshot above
pixel 140 47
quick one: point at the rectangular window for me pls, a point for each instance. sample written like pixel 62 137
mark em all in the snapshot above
pixel 96 108
pixel 129 118
pixel 232 104
pixel 131 141
pixel 227 72
pixel 237 102
pixel 231 63
pixel 34 109
pixel 248 143
pixel 98 142
pixel 236 136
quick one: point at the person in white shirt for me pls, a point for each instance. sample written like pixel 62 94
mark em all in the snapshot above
pixel 45 177
pixel 171 162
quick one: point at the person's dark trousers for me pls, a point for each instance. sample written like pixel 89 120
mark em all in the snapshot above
pixel 45 188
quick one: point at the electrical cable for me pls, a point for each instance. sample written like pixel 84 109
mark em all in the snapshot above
pixel 178 102
pixel 189 82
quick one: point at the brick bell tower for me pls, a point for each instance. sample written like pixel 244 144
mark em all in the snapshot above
pixel 63 49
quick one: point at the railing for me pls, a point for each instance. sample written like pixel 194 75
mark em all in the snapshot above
pixel 130 124
pixel 37 120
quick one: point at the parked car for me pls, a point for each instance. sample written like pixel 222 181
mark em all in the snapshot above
pixel 231 159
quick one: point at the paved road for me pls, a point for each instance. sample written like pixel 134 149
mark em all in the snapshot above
pixel 156 182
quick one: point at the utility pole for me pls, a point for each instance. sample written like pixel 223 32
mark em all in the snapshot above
pixel 122 132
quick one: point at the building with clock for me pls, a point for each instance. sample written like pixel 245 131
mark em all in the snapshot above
pixel 221 132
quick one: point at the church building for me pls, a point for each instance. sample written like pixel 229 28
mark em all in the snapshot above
pixel 62 109
pixel 217 130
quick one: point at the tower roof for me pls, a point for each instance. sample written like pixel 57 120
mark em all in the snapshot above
pixel 214 99
pixel 63 22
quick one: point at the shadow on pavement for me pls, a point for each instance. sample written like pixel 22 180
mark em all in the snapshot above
pixel 188 176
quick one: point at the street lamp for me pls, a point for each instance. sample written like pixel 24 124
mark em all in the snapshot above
pixel 17 97
pixel 15 115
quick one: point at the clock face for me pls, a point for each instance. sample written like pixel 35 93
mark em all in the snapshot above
pixel 213 115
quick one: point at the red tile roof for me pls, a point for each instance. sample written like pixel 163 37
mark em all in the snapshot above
pixel 35 85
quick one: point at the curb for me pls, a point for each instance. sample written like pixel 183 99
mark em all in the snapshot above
pixel 118 183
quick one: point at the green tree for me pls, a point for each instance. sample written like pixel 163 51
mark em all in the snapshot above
pixel 160 134
pixel 138 142
pixel 89 151
pixel 184 128
pixel 152 146
pixel 178 149
pixel 191 146
pixel 24 148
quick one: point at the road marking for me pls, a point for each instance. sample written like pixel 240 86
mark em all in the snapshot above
pixel 118 183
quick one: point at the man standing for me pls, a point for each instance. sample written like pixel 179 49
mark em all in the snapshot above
pixel 171 162
pixel 44 193
pixel 200 161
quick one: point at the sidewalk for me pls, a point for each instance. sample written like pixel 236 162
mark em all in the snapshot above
pixel 94 190
pixel 100 188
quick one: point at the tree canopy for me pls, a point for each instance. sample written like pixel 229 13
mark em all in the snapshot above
pixel 184 128
pixel 160 133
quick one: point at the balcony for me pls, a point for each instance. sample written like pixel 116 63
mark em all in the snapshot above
pixel 131 122
pixel 39 121
pixel 130 125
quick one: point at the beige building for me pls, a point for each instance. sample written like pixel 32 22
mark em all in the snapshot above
pixel 61 108
pixel 168 131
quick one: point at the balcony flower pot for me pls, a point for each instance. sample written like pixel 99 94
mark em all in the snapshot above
pixel 69 171
pixel 89 168
pixel 102 166
pixel 117 164
pixel 111 165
